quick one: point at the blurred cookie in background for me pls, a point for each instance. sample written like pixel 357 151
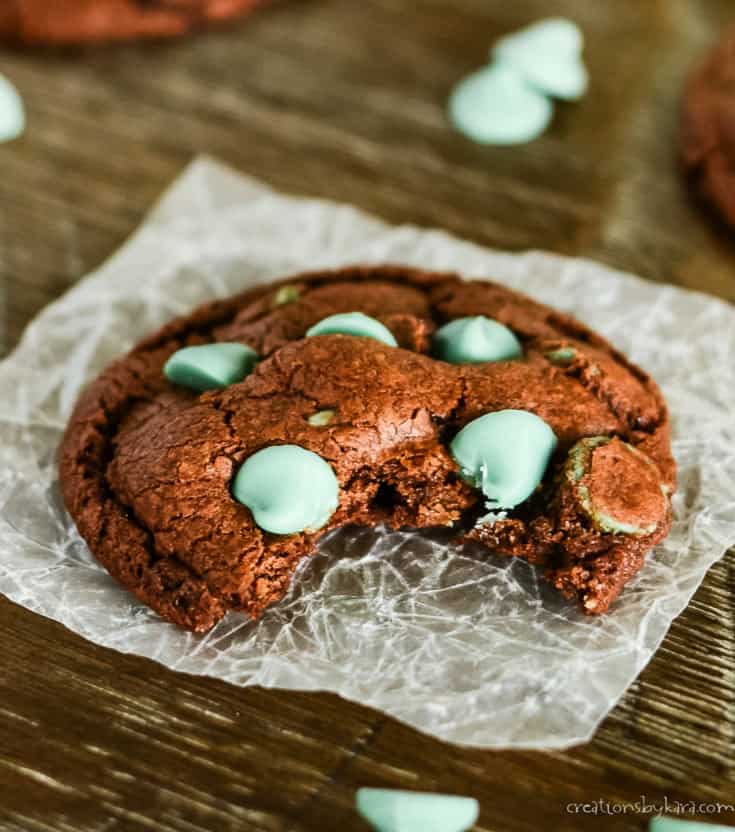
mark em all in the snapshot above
pixel 708 128
pixel 63 22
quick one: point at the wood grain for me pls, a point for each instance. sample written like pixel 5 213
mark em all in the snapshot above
pixel 345 99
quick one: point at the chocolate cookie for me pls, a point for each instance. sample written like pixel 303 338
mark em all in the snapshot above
pixel 205 464
pixel 708 127
pixel 80 21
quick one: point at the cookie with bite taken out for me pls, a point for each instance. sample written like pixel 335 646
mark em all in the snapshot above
pixel 203 466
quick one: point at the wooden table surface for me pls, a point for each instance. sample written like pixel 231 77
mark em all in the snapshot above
pixel 345 99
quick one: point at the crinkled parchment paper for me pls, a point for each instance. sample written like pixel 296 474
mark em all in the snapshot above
pixel 472 649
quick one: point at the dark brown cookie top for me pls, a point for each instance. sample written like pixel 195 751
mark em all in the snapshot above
pixel 147 466
pixel 79 21
pixel 708 127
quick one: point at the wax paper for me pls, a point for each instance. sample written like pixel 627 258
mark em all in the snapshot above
pixel 473 649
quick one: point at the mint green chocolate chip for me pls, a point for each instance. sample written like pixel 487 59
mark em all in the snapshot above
pixel 496 106
pixel 505 454
pixel 580 457
pixel 210 366
pixel 353 323
pixel 475 340
pixel 12 113
pixel 666 824
pixel 578 465
pixel 286 294
pixel 562 356
pixel 321 418
pixel 608 523
pixel 548 54
pixel 288 489
pixel 393 810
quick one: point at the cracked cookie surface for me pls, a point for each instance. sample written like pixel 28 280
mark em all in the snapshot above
pixel 147 466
